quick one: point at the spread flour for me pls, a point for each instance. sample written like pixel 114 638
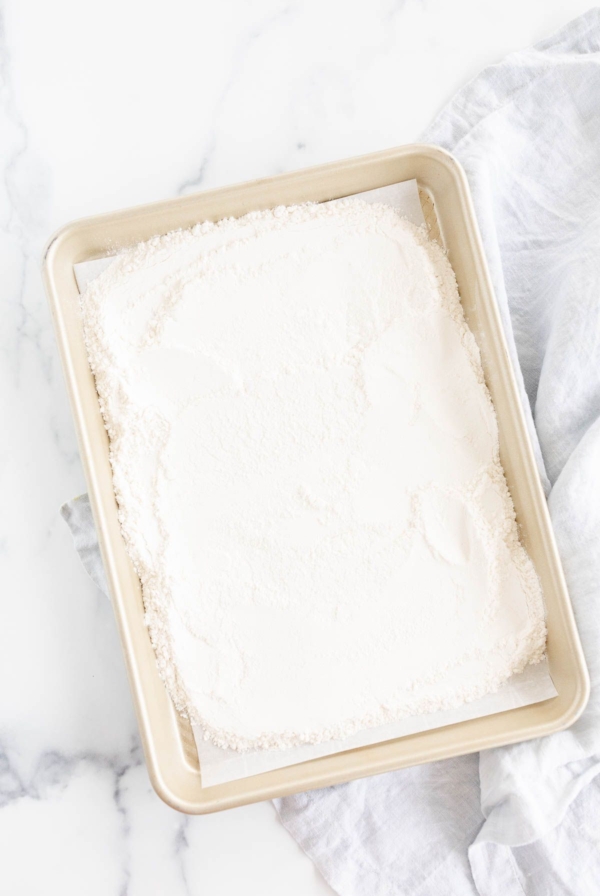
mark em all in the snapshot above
pixel 305 459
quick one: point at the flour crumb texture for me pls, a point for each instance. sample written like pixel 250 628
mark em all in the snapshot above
pixel 305 460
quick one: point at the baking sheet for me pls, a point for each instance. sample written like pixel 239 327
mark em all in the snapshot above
pixel 218 766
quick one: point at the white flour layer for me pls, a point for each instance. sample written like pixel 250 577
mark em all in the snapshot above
pixel 305 458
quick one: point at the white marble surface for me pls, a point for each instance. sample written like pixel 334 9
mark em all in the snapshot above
pixel 106 105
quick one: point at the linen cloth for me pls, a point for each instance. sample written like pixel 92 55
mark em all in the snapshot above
pixel 523 819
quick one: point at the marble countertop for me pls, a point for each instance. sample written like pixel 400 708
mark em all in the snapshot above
pixel 104 106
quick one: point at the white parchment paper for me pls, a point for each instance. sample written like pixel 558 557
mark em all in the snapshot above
pixel 532 686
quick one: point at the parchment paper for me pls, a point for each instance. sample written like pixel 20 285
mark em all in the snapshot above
pixel 532 686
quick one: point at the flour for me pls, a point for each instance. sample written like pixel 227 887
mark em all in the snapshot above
pixel 305 459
